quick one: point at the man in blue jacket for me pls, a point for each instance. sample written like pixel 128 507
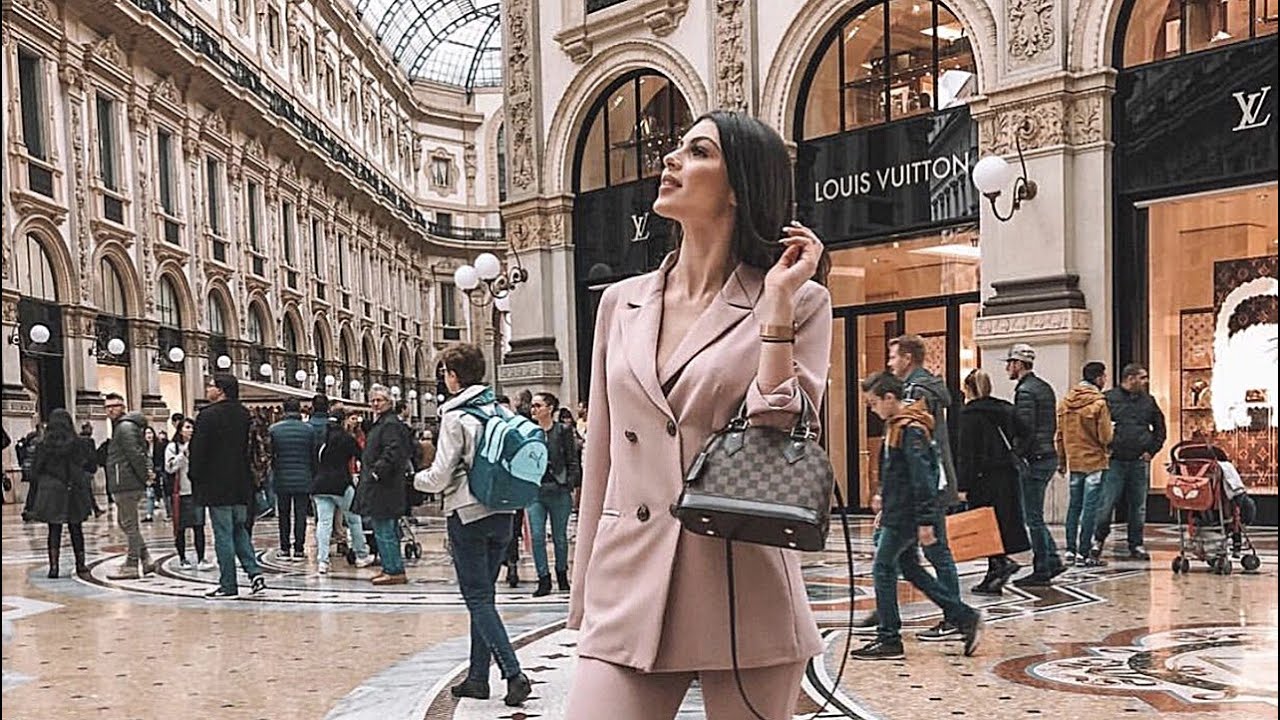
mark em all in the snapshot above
pixel 293 465
pixel 910 517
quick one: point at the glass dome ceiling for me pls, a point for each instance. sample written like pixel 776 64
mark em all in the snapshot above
pixel 457 42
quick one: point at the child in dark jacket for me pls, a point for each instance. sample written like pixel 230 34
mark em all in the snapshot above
pixel 911 515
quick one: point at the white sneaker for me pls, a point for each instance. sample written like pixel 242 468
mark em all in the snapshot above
pixel 205 565
pixel 323 568
pixel 364 562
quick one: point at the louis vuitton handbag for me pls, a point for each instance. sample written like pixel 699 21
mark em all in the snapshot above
pixel 762 485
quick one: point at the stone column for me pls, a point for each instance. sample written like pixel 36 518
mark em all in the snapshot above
pixel 733 37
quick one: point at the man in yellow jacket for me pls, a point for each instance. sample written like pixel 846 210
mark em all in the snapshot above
pixel 1083 439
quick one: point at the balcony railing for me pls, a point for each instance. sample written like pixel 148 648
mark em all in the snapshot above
pixel 489 235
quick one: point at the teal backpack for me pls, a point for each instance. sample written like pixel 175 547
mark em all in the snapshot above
pixel 510 460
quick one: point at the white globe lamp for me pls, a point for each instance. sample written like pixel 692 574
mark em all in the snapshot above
pixel 177 354
pixel 992 175
pixel 413 394
pixel 115 346
pixel 39 334
pixel 488 266
pixel 330 381
pixel 300 376
pixel 223 362
pixel 355 386
pixel 265 370
pixel 466 278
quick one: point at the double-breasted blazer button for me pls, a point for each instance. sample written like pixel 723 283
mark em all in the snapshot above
pixel 630 435
pixel 671 428
pixel 642 513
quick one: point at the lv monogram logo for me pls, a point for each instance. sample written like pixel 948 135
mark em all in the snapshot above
pixel 641 224
pixel 1250 108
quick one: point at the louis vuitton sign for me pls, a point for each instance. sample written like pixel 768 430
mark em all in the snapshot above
pixel 908 175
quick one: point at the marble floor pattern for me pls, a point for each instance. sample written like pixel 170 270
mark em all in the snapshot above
pixel 1129 640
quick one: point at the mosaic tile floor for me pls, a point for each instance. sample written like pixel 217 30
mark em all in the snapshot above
pixel 1127 640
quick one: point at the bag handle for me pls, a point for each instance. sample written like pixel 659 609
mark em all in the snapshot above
pixel 802 430
pixel 733 616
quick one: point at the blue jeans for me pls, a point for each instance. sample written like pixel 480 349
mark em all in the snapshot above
pixel 478 551
pixel 1035 482
pixel 897 553
pixel 326 506
pixel 556 504
pixel 386 533
pixel 1082 510
pixel 230 541
pixel 939 556
pixel 1133 478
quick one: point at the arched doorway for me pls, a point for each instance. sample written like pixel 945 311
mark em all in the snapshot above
pixel 634 122
pixel 289 339
pixel 259 358
pixel 111 328
pixel 171 355
pixel 40 332
pixel 320 341
pixel 1195 277
pixel 216 319
pixel 885 144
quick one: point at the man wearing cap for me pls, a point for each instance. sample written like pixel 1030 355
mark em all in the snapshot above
pixel 1035 409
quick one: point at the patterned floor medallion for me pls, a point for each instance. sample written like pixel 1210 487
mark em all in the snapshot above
pixel 1184 668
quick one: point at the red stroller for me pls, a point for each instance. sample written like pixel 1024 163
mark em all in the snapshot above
pixel 1206 509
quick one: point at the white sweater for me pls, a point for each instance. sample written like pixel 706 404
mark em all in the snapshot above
pixel 455 448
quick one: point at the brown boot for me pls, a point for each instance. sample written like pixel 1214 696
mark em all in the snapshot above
pixel 400 579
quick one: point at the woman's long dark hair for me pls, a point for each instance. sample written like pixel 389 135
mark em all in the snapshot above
pixel 60 433
pixel 762 180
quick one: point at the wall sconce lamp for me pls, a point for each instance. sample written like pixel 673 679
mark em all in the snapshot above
pixel 38 334
pixel 265 370
pixel 355 386
pixel 992 174
pixel 300 376
pixel 176 355
pixel 497 285
pixel 223 362
pixel 115 348
pixel 330 381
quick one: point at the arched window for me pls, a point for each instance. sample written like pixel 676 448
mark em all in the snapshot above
pixel 35 270
pixel 321 343
pixel 1156 30
pixel 634 123
pixel 886 61
pixel 216 315
pixel 255 326
pixel 111 298
pixel 290 338
pixel 167 303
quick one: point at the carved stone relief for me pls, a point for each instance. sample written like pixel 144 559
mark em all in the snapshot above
pixel 520 106
pixel 1045 122
pixel 108 52
pixel 1031 29
pixel 731 57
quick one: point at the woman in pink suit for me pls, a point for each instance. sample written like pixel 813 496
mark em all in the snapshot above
pixel 733 312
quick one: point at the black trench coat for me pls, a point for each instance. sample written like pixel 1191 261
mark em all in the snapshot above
pixel 987 469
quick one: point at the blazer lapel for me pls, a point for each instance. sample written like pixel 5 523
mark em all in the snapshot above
pixel 640 331
pixel 732 305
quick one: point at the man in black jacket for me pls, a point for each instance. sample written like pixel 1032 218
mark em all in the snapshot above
pixel 1139 435
pixel 222 481
pixel 383 492
pixel 1035 409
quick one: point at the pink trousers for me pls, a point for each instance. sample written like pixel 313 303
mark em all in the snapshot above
pixel 604 690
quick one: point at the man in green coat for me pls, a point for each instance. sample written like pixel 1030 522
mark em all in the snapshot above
pixel 128 470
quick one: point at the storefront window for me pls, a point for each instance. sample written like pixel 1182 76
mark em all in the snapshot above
pixel 888 61
pixel 1162 29
pixel 945 263
pixel 1213 326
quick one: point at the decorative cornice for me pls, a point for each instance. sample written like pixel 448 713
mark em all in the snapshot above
pixel 581 33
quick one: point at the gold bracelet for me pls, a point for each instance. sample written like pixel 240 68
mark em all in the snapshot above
pixel 782 332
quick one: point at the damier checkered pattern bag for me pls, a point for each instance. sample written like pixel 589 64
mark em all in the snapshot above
pixel 760 485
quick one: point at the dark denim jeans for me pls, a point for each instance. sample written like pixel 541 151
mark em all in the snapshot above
pixel 291 511
pixel 230 541
pixel 386 532
pixel 939 556
pixel 897 553
pixel 1082 510
pixel 554 504
pixel 1035 483
pixel 478 551
pixel 1133 479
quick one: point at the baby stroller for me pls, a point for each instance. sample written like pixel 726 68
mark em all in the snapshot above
pixel 412 548
pixel 1210 506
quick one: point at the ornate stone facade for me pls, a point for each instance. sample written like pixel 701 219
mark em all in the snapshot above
pixel 733 91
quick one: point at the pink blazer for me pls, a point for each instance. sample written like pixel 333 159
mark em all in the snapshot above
pixel 646 594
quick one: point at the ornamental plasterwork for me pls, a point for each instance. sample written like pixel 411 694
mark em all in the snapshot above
pixel 1045 122
pixel 1031 30
pixel 1018 327
pixel 660 17
pixel 106 51
pixel 519 91
pixel 731 57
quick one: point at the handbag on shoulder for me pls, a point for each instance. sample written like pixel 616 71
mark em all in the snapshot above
pixel 762 485
pixel 759 484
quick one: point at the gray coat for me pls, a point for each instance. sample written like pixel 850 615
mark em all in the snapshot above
pixel 128 462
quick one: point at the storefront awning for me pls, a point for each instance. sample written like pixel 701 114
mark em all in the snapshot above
pixel 254 393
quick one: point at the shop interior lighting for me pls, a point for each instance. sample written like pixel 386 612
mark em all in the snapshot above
pixel 959 251
pixel 950 32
